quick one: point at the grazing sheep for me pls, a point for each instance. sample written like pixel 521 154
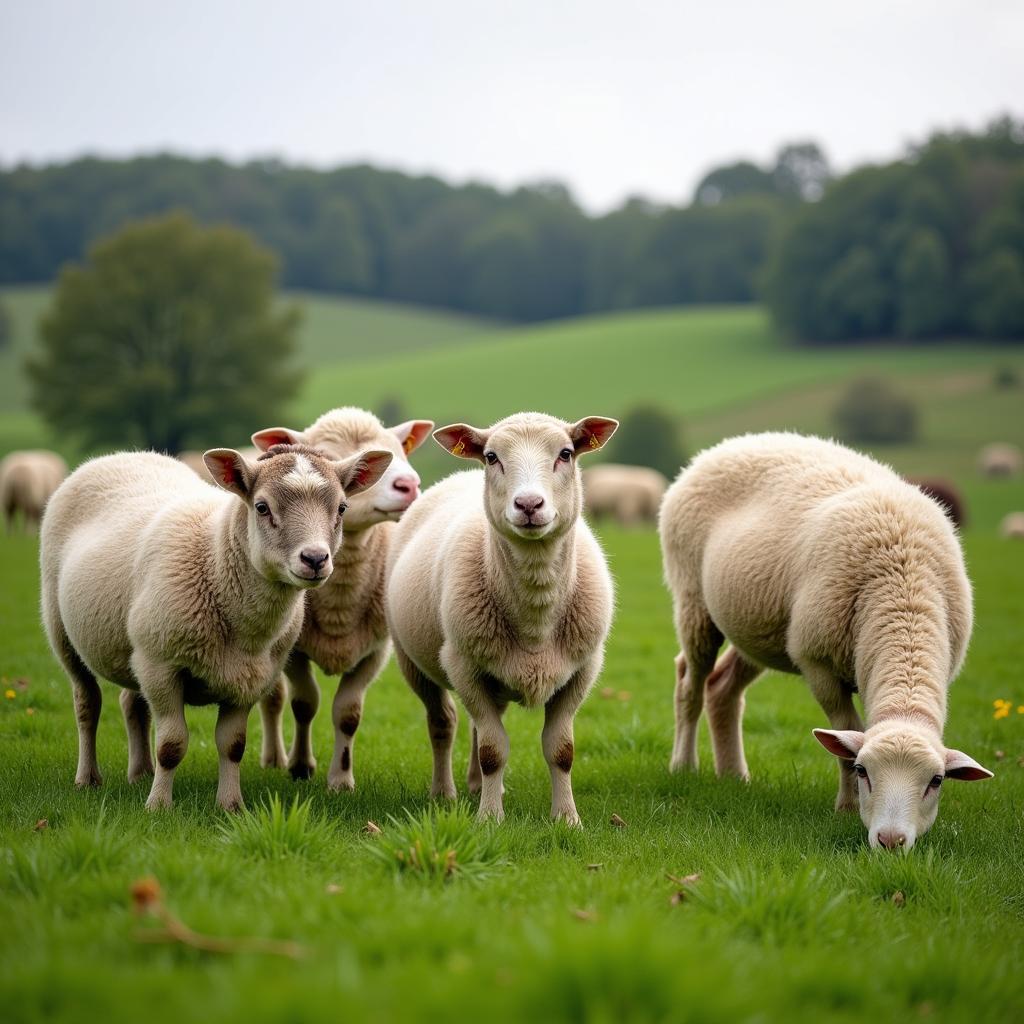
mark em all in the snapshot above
pixel 185 594
pixel 630 495
pixel 345 631
pixel 27 479
pixel 811 558
pixel 497 589
pixel 1012 526
pixel 947 495
pixel 1000 460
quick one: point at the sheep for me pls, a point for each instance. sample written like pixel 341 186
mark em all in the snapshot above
pixel 630 495
pixel 27 480
pixel 1000 460
pixel 811 558
pixel 181 593
pixel 344 631
pixel 497 589
pixel 947 495
pixel 1012 526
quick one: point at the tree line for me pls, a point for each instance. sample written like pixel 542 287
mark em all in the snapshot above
pixel 929 245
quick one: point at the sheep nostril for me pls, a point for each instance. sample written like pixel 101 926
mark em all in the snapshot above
pixel 314 558
pixel 529 502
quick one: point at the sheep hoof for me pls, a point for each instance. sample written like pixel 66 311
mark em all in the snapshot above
pixel 274 759
pixel 302 769
pixel 341 783
pixel 158 803
pixel 90 780
pixel 571 818
pixel 233 805
pixel 496 814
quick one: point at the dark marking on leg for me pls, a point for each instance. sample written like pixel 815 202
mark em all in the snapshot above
pixel 346 760
pixel 274 701
pixel 237 749
pixel 489 761
pixel 564 755
pixel 170 754
pixel 350 722
pixel 303 711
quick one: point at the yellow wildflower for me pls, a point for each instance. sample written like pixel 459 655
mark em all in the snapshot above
pixel 10 694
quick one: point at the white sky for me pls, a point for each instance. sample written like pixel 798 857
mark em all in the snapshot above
pixel 612 98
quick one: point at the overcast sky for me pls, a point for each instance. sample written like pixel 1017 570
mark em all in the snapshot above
pixel 612 98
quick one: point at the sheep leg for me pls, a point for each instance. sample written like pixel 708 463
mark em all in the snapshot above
pixel 699 639
pixel 305 696
pixel 837 703
pixel 492 739
pixel 88 701
pixel 136 724
pixel 442 718
pixel 558 744
pixel 272 753
pixel 165 695
pixel 230 737
pixel 346 712
pixel 724 688
pixel 474 777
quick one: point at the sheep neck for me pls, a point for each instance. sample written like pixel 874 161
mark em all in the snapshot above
pixel 903 649
pixel 532 581
pixel 256 608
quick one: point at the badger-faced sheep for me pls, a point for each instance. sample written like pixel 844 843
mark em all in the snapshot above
pixel 811 558
pixel 185 594
pixel 631 495
pixel 497 589
pixel 27 480
pixel 345 631
pixel 1000 460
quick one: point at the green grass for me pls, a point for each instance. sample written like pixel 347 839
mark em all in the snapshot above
pixel 792 913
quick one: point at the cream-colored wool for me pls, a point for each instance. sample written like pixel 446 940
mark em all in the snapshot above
pixel 809 557
pixel 345 631
pixel 497 589
pixel 630 495
pixel 184 593
pixel 27 480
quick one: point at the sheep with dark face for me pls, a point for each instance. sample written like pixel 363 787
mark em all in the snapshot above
pixel 811 558
pixel 498 590
pixel 185 593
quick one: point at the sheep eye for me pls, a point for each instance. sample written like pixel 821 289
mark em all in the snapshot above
pixel 862 772
pixel 490 458
pixel 341 509
pixel 262 508
pixel 565 454
pixel 936 781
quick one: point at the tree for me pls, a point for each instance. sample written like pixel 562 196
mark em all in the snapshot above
pixel 801 171
pixel 167 337
pixel 731 181
pixel 925 288
pixel 997 287
pixel 650 436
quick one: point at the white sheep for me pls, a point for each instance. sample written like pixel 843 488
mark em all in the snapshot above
pixel 811 558
pixel 1000 460
pixel 182 593
pixel 497 589
pixel 345 631
pixel 27 480
pixel 630 495
pixel 1012 526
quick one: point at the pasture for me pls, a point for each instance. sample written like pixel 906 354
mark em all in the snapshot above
pixel 791 913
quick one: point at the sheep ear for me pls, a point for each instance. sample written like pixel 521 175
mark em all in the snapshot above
pixel 844 743
pixel 412 433
pixel 264 439
pixel 230 470
pixel 964 768
pixel 360 472
pixel 592 433
pixel 462 440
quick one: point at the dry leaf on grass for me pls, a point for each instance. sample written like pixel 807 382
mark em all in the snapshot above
pixel 40 825
pixel 371 828
pixel 617 821
pixel 684 882
pixel 589 916
pixel 1000 754
pixel 898 899
pixel 594 867
pixel 333 889
pixel 607 693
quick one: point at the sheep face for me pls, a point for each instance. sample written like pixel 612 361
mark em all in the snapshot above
pixel 900 769
pixel 343 433
pixel 296 499
pixel 532 486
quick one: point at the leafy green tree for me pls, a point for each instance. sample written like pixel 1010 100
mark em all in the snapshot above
pixel 855 296
pixel 167 337
pixel 871 412
pixel 925 295
pixel 724 184
pixel 801 171
pixel 650 436
pixel 997 292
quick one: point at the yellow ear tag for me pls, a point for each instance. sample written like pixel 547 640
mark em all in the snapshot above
pixel 594 443
pixel 408 443
pixel 459 448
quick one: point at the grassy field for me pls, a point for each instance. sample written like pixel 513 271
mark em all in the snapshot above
pixel 791 915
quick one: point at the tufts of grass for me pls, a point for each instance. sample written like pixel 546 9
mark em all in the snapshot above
pixel 439 844
pixel 273 831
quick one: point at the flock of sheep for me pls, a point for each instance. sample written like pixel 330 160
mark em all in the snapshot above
pixel 804 555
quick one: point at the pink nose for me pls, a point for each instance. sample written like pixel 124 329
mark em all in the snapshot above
pixel 891 839
pixel 529 503
pixel 409 486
